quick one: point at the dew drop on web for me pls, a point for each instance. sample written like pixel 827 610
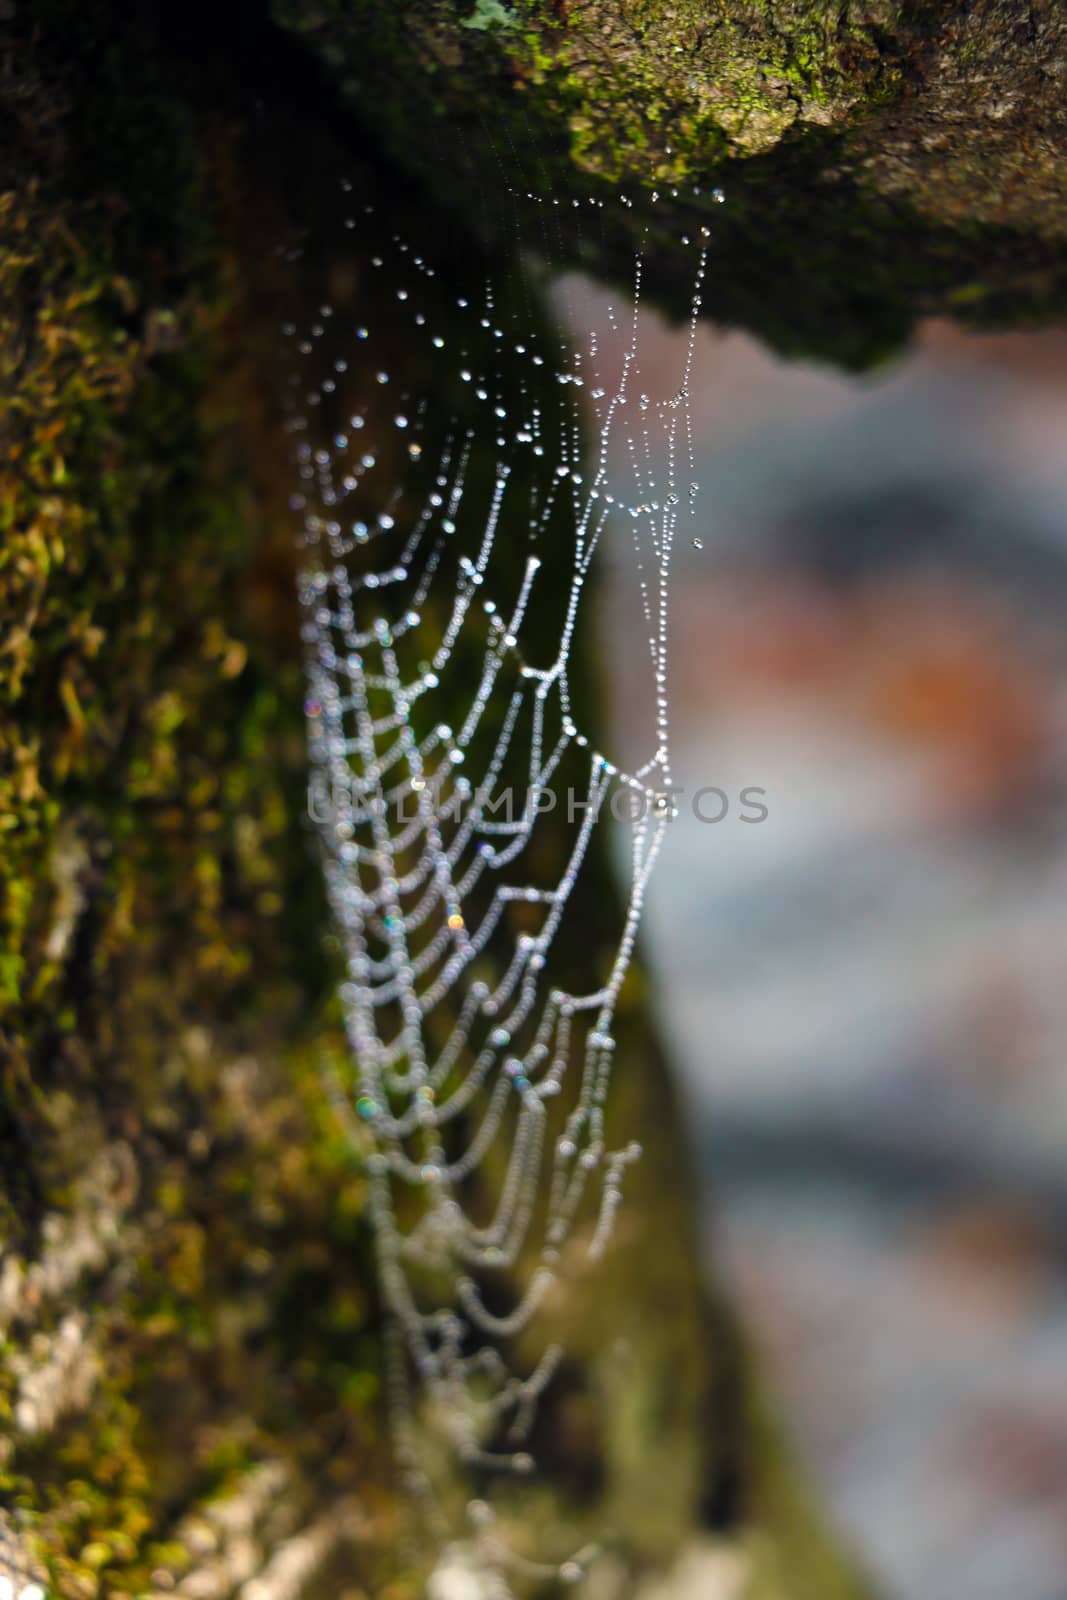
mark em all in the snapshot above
pixel 444 597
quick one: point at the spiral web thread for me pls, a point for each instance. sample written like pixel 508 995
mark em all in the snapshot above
pixel 477 1065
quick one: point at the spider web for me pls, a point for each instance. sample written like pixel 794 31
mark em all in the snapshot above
pixel 454 489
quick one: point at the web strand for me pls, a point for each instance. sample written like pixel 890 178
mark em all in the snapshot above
pixel 451 503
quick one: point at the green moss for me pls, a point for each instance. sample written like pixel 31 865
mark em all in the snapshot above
pixel 151 757
pixel 732 77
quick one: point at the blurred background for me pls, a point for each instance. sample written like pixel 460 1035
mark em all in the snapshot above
pixel 866 991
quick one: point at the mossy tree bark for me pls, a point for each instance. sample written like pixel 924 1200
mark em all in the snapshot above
pixel 881 161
